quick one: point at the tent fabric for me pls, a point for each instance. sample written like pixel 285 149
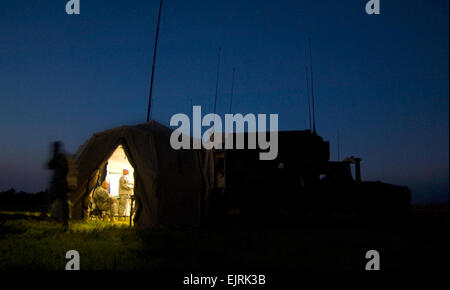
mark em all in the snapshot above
pixel 172 187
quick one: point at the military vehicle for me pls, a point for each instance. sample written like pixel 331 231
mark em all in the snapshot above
pixel 303 183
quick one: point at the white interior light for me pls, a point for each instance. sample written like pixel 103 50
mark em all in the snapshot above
pixel 114 169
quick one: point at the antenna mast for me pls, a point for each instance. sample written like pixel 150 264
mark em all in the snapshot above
pixel 338 146
pixel 309 100
pixel 232 89
pixel 312 88
pixel 153 63
pixel 217 78
pixel 231 98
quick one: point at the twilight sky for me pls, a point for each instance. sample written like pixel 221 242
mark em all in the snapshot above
pixel 381 80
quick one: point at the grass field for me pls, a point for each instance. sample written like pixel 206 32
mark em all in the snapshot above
pixel 32 244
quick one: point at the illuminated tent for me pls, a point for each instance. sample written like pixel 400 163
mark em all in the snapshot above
pixel 171 187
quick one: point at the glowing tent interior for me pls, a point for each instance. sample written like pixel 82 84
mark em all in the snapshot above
pixel 171 187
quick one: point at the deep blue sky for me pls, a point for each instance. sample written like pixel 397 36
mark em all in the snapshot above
pixel 382 80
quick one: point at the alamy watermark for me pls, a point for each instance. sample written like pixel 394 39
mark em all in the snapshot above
pixel 374 260
pixel 373 7
pixel 215 138
pixel 73 7
pixel 74 260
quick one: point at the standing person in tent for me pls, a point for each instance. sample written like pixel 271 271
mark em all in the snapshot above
pixel 125 189
pixel 59 188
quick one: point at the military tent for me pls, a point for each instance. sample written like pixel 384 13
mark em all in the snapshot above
pixel 171 187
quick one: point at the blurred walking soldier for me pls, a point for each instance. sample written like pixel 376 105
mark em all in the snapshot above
pixel 125 189
pixel 59 188
pixel 103 201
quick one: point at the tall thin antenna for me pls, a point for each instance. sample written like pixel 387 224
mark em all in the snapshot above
pixel 312 88
pixel 217 78
pixel 232 89
pixel 309 100
pixel 153 63
pixel 231 100
pixel 338 146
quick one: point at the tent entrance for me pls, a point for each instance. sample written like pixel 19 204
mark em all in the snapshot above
pixel 117 162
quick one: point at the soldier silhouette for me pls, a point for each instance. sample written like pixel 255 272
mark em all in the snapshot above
pixel 125 191
pixel 59 187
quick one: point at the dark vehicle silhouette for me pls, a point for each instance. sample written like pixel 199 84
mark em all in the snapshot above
pixel 301 184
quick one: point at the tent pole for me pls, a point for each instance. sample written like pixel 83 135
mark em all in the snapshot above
pixel 131 209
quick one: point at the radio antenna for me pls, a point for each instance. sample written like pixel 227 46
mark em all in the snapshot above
pixel 338 146
pixel 231 98
pixel 153 63
pixel 312 88
pixel 217 78
pixel 308 97
pixel 232 89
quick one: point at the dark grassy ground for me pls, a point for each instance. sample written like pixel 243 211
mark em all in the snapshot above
pixel 29 243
